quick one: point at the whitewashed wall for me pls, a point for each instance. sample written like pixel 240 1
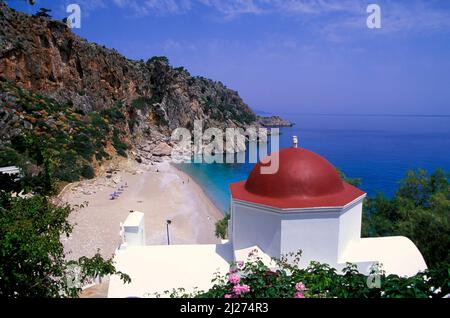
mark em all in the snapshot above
pixel 253 226
pixel 322 234
pixel 350 226
pixel 315 233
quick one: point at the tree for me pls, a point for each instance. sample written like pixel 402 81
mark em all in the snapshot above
pixel 32 259
pixel 222 227
pixel 379 214
pixel 353 181
pixel 43 12
pixel 420 210
pixel 162 59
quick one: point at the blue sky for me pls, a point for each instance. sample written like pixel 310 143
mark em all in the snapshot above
pixel 296 56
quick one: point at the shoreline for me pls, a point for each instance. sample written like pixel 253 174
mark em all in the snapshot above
pixel 198 183
pixel 198 188
pixel 159 190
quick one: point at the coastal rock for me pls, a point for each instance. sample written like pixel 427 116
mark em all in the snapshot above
pixel 273 121
pixel 157 159
pixel 162 149
pixel 117 179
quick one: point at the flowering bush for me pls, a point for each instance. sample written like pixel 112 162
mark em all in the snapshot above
pixel 254 279
pixel 234 278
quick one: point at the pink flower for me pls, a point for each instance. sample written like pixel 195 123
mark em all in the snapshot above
pixel 299 295
pixel 232 270
pixel 241 289
pixel 240 264
pixel 228 296
pixel 300 287
pixel 234 279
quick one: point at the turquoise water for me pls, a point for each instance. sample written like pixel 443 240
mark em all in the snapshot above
pixel 379 149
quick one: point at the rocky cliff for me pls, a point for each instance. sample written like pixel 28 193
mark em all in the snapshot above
pixel 43 55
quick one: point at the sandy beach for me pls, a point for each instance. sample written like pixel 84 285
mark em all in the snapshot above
pixel 160 191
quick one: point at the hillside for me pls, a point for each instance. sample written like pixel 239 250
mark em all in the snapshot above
pixel 58 89
pixel 45 56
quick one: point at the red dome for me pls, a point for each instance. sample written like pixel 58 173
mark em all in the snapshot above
pixel 301 173
pixel 304 179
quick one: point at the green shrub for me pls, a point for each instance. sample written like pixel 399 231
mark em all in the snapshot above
pixel 122 153
pixel 99 123
pixel 114 114
pixel 253 279
pixel 8 156
pixel 222 227
pixel 141 102
pixel 420 210
pixel 87 171
pixel 120 146
pixel 162 59
pixel 32 259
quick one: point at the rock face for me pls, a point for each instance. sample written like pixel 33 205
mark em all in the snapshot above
pixel 273 121
pixel 162 149
pixel 44 56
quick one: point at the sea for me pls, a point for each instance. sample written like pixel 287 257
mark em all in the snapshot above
pixel 378 149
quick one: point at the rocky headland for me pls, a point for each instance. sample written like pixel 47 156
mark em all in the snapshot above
pixel 273 121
